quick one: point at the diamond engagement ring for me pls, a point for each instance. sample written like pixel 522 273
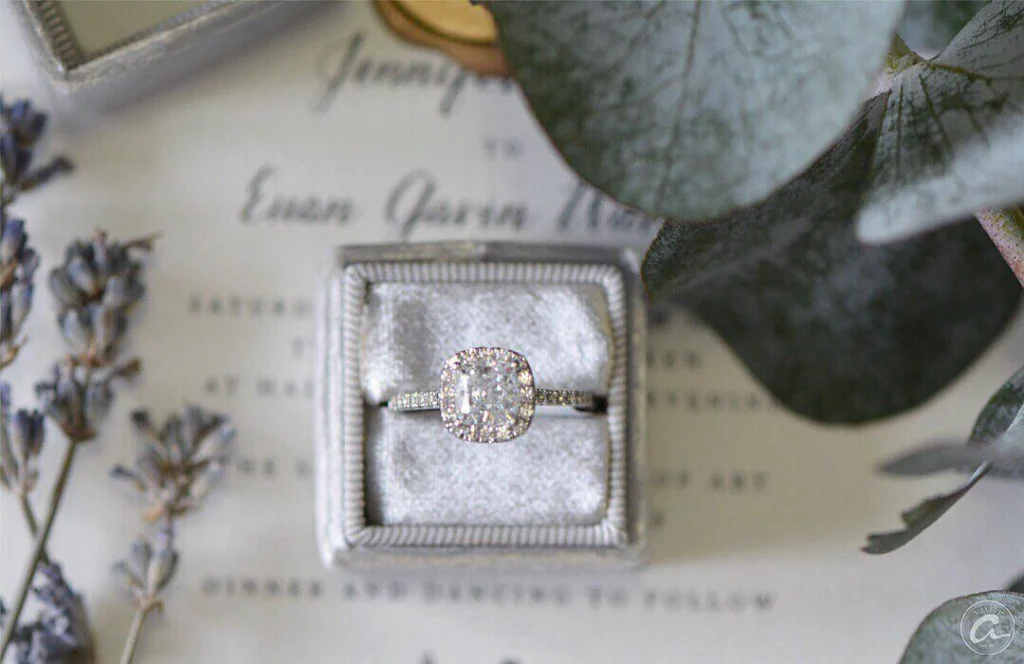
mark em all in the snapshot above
pixel 488 395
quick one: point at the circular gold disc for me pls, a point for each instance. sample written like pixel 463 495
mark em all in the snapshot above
pixel 464 32
pixel 453 19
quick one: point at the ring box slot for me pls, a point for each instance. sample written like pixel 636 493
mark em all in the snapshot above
pixel 395 489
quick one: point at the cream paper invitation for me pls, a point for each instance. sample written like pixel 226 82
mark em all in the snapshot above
pixel 335 132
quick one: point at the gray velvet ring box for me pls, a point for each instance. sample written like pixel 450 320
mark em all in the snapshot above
pixel 103 53
pixel 395 489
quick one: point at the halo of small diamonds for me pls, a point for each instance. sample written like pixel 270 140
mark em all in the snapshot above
pixel 487 395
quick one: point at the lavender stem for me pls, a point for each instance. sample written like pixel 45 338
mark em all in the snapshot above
pixel 39 552
pixel 138 621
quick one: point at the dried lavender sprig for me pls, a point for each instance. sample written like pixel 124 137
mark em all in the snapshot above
pixel 78 398
pixel 18 264
pixel 21 128
pixel 181 462
pixel 60 633
pixel 144 574
pixel 77 403
pixel 96 287
pixel 79 394
pixel 21 441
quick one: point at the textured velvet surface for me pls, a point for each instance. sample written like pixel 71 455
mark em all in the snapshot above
pixel 418 473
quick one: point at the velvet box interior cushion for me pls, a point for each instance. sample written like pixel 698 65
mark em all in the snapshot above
pixel 417 472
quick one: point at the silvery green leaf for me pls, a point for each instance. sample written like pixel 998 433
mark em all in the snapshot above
pixel 837 331
pixel 996 447
pixel 984 627
pixel 920 517
pixel 928 25
pixel 1006 228
pixel 1002 418
pixel 690 109
pixel 953 137
pixel 939 457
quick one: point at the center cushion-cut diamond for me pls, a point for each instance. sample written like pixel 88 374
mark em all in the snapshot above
pixel 487 394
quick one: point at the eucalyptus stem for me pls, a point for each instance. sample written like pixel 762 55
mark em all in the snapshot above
pixel 39 551
pixel 138 621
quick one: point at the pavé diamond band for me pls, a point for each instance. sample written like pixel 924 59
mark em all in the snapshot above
pixel 487 395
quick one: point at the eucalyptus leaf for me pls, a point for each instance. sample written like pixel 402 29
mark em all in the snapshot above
pixel 1002 418
pixel 952 140
pixel 1006 460
pixel 928 25
pixel 984 627
pixel 837 331
pixel 919 517
pixel 1006 228
pixel 689 109
pixel 996 447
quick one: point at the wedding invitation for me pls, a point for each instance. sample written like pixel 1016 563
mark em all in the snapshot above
pixel 334 132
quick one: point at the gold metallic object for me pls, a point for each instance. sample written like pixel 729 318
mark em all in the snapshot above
pixel 464 32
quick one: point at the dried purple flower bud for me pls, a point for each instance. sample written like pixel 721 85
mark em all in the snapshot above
pixel 77 399
pixel 150 566
pixel 18 263
pixel 14 160
pixel 21 441
pixel 60 633
pixel 83 276
pixel 98 399
pixel 23 124
pixel 181 462
pixel 20 129
pixel 27 432
pixel 65 292
pixel 96 286
pixel 74 326
pixel 12 241
pixel 93 332
pixel 21 303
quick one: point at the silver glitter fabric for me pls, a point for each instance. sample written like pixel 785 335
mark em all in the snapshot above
pixel 417 472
